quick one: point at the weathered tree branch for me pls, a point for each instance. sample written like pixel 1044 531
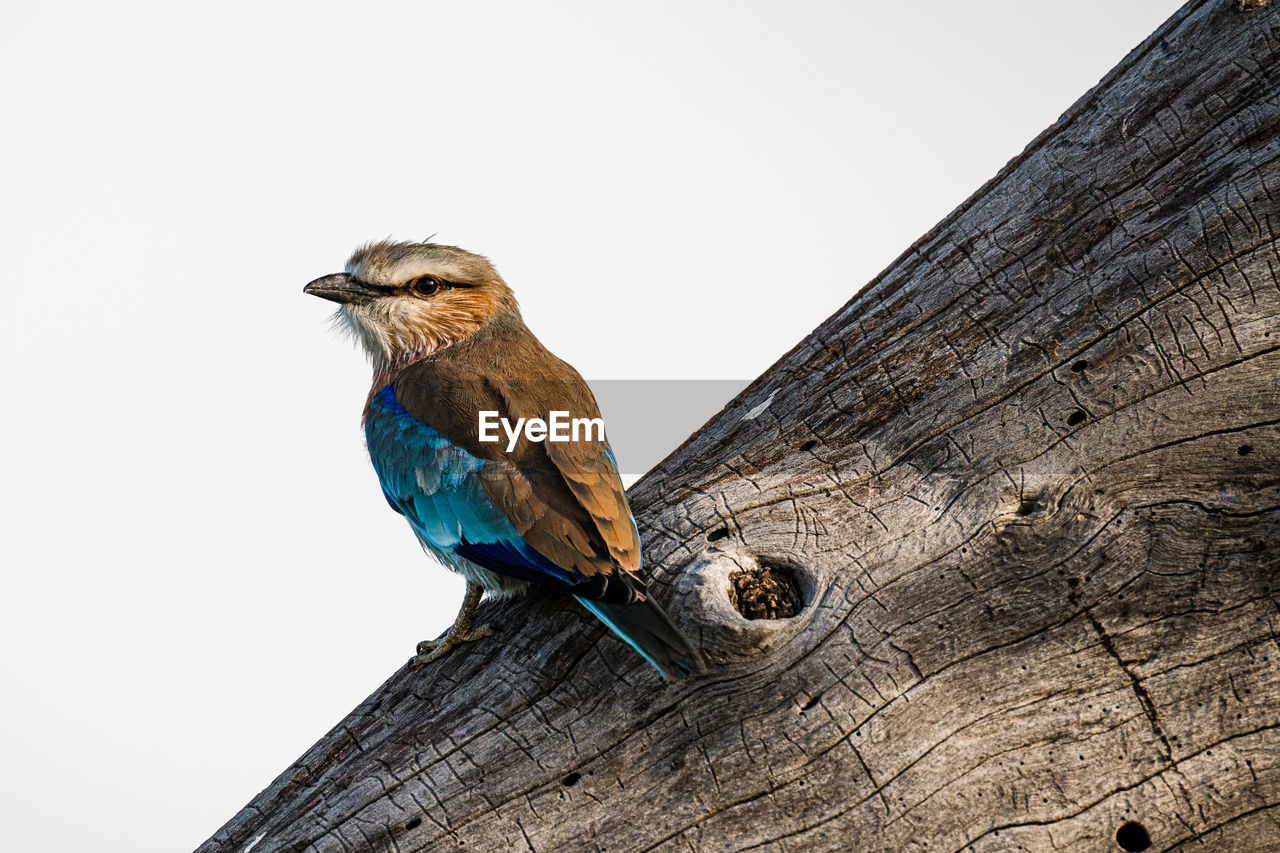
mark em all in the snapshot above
pixel 1028 485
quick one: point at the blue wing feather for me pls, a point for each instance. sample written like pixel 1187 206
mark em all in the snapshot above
pixel 436 485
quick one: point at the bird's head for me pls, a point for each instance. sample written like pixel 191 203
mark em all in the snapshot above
pixel 404 301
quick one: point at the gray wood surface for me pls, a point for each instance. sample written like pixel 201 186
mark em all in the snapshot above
pixel 1027 484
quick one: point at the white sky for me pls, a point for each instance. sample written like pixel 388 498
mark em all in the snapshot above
pixel 200 576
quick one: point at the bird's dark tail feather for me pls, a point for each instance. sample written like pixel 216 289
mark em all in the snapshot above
pixel 647 628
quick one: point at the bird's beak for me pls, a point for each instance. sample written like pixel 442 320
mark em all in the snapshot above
pixel 342 288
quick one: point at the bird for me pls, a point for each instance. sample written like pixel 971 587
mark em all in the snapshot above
pixel 449 348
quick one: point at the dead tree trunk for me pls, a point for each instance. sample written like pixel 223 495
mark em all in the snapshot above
pixel 1027 485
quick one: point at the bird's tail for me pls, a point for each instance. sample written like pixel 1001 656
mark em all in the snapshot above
pixel 648 629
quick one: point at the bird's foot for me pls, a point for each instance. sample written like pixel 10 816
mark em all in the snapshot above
pixel 429 650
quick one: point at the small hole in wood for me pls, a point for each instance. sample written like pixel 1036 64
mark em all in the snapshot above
pixel 1132 836
pixel 1079 366
pixel 1075 418
pixel 1244 450
pixel 1027 505
pixel 571 780
pixel 414 824
pixel 717 534
pixel 769 591
pixel 807 446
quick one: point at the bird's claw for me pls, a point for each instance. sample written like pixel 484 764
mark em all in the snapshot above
pixel 429 650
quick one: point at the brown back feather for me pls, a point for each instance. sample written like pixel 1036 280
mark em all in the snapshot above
pixel 564 498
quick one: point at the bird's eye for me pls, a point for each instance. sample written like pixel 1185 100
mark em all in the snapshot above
pixel 425 285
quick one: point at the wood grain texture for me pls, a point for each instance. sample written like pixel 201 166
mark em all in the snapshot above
pixel 1028 483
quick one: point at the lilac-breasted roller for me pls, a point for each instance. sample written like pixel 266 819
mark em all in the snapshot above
pixel 449 347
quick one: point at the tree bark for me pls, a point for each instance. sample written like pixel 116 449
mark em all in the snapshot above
pixel 1027 486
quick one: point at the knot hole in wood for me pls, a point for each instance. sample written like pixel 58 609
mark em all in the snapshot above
pixel 743 603
pixel 768 590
